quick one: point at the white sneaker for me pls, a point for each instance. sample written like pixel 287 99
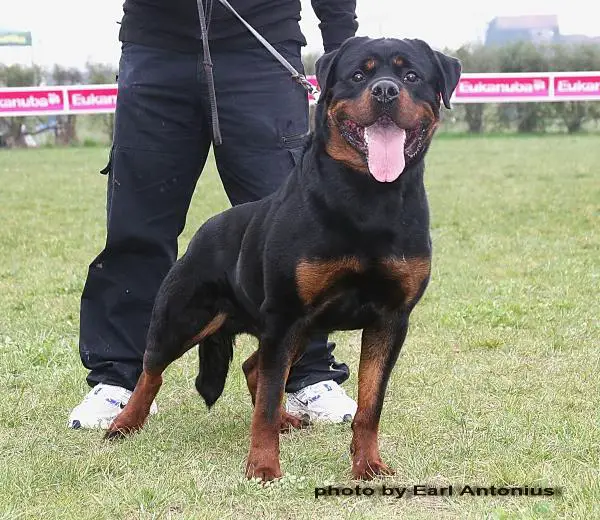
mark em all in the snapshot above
pixel 100 406
pixel 325 401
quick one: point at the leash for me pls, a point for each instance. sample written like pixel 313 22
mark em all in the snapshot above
pixel 208 65
pixel 208 70
pixel 300 78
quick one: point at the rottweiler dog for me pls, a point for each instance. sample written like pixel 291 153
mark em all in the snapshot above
pixel 344 244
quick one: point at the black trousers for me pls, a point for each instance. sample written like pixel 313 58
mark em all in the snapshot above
pixel 161 142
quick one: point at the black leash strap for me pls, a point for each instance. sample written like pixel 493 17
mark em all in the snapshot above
pixel 300 78
pixel 208 65
pixel 208 70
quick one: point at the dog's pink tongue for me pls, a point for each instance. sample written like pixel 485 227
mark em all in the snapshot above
pixel 385 142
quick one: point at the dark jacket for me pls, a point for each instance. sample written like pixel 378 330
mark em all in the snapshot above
pixel 173 24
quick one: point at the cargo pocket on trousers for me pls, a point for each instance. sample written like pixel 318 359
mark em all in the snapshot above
pixel 295 145
pixel 107 170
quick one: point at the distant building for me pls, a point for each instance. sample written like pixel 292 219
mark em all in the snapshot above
pixel 535 29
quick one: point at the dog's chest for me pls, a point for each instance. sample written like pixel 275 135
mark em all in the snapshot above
pixel 350 286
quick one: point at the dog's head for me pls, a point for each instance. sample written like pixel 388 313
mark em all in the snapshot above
pixel 380 102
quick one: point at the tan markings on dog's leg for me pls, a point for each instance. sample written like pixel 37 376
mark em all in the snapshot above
pixel 267 418
pixel 213 326
pixel 263 457
pixel 250 369
pixel 134 415
pixel 315 276
pixel 376 349
pixel 410 272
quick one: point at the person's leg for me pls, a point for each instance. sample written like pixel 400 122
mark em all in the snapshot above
pixel 160 145
pixel 264 123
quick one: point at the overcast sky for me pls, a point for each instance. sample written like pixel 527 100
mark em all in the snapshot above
pixel 72 31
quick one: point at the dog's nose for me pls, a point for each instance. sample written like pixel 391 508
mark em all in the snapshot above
pixel 385 91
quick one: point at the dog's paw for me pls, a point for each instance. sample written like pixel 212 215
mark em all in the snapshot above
pixel 114 435
pixel 121 428
pixel 365 469
pixel 263 469
pixel 289 422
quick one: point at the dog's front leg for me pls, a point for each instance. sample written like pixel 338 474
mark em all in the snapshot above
pixel 380 347
pixel 278 345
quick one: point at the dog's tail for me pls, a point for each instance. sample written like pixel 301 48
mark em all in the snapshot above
pixel 215 354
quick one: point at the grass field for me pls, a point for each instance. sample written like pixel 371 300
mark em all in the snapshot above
pixel 498 383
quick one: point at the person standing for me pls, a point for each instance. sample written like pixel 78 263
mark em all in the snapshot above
pixel 160 145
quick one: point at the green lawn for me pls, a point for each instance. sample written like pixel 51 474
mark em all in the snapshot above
pixel 498 384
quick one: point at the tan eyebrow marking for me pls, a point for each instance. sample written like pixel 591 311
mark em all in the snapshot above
pixel 369 64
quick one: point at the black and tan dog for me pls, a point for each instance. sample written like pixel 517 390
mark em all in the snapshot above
pixel 343 244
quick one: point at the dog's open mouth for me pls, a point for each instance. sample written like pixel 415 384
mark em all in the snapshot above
pixel 386 146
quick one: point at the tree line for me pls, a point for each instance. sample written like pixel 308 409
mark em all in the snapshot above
pixel 528 117
pixel 568 117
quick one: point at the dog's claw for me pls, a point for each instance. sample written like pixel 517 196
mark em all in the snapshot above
pixel 369 469
pixel 119 429
pixel 289 423
pixel 263 473
pixel 114 435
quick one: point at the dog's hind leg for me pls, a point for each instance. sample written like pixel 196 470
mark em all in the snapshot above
pixel 182 317
pixel 134 415
pixel 156 359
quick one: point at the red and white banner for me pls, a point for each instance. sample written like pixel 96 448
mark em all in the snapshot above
pixel 473 88
pixel 92 99
pixel 32 101
pixel 528 87
pixel 47 101
pixel 505 88
pixel 569 85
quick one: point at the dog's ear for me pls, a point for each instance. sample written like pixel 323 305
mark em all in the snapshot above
pixel 324 68
pixel 449 69
pixel 325 65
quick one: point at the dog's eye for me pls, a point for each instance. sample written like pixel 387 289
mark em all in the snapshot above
pixel 358 76
pixel 411 77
